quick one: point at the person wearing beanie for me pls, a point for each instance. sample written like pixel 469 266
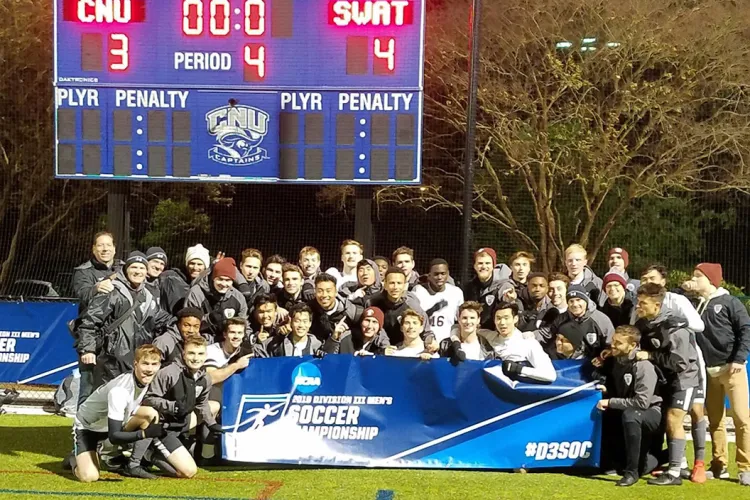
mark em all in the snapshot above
pixel 618 260
pixel 439 299
pixel 369 339
pixel 618 304
pixel 157 262
pixel 483 288
pixel 725 343
pixel 134 313
pixel 174 284
pixel 214 294
pixel 569 343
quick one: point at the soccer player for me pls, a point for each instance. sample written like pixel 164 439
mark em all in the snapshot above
pixel 114 412
pixel 368 283
pixel 383 265
pixel 467 344
pixel 176 392
pixel 157 262
pixel 618 260
pixel 412 345
pixel 272 271
pixel 116 323
pixel 291 294
pixel 523 359
pixel 351 253
pixel 538 305
pixel 251 262
pixel 618 304
pixel 215 295
pixel 174 284
pixel 170 343
pixel 675 302
pixel 569 342
pixel 328 309
pixel 309 262
pixel 670 349
pixel 265 318
pixel 403 258
pixel 299 342
pixel 439 299
pixel 394 300
pixel 576 262
pixel 483 288
pixel 520 267
pixel 725 343
pixel 369 339
pixel 633 400
pixel 219 356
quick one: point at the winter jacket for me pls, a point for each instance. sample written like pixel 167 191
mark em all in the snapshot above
pixel 619 315
pixel 679 306
pixel 592 283
pixel 174 286
pixel 324 322
pixel 350 287
pixel 116 349
pixel 601 333
pixel 286 301
pixel 486 293
pixel 667 340
pixel 393 312
pixel 281 345
pixel 170 345
pixel 631 383
pixel 175 383
pixel 726 338
pixel 216 307
pixel 485 349
pixel 532 317
pixel 352 342
pixel 251 289
pixel 87 276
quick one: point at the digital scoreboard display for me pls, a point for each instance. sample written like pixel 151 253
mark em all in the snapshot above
pixel 321 91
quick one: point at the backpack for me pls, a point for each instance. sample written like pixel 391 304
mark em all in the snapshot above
pixel 66 395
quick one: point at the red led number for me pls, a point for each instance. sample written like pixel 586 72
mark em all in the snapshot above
pixel 193 17
pixel 119 52
pixel 384 61
pixel 255 17
pixel 255 62
pixel 219 24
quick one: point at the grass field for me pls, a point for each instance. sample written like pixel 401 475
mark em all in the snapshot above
pixel 32 447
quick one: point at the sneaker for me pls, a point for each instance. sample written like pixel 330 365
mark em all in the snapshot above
pixel 136 471
pixel 719 471
pixel 699 472
pixel 744 478
pixel 68 461
pixel 611 472
pixel 627 480
pixel 684 473
pixel 666 479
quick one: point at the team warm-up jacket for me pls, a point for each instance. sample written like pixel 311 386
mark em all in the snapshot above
pixel 393 312
pixel 216 307
pixel 619 315
pixel 116 349
pixel 486 293
pixel 170 345
pixel 87 276
pixel 601 329
pixel 592 283
pixel 679 306
pixel 324 322
pixel 668 341
pixel 174 286
pixel 353 341
pixel 631 383
pixel 726 338
pixel 286 301
pixel 281 345
pixel 175 383
pixel 533 317
pixel 446 349
pixel 251 289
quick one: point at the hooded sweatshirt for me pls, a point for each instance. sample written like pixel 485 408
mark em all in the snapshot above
pixel 602 332
pixel 591 282
pixel 350 287
pixel 216 307
pixel 487 293
pixel 632 383
pixel 726 338
pixel 668 341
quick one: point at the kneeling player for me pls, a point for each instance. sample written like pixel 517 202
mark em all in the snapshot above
pixel 114 411
pixel 176 392
pixel 632 385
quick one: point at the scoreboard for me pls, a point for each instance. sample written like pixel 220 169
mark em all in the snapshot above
pixel 319 91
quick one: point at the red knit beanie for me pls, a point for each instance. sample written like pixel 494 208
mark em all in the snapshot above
pixel 225 267
pixel 488 251
pixel 622 253
pixel 712 272
pixel 375 313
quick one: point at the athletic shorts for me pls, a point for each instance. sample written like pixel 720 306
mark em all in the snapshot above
pixel 700 395
pixel 168 444
pixel 684 399
pixel 85 440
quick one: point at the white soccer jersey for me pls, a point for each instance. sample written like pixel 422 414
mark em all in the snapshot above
pixel 519 349
pixel 443 319
pixel 117 399
pixel 216 357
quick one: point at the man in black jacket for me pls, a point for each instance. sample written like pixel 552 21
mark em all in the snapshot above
pixel 174 284
pixel 329 309
pixel 368 339
pixel 632 393
pixel 725 343
pixel 484 287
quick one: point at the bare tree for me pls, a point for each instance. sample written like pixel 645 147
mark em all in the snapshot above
pixel 584 106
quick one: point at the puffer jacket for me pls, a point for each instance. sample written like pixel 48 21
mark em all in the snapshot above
pixel 116 349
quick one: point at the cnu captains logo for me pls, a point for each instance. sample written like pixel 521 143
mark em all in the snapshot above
pixel 239 131
pixel 306 378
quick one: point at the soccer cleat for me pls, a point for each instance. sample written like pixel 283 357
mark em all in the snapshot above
pixel 136 471
pixel 666 479
pixel 627 480
pixel 69 461
pixel 699 472
pixel 744 478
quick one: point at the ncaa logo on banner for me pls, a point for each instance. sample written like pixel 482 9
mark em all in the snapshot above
pixel 239 132
pixel 306 378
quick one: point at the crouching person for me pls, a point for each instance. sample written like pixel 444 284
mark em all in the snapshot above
pixel 114 411
pixel 634 403
pixel 176 392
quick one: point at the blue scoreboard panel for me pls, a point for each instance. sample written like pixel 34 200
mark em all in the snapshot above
pixel 320 91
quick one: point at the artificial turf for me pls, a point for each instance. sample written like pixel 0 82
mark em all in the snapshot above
pixel 32 447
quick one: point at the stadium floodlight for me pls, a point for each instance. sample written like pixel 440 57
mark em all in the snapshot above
pixel 563 45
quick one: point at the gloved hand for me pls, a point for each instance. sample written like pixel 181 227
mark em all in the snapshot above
pixel 458 353
pixel 180 410
pixel 320 354
pixel 441 304
pixel 155 431
pixel 215 429
pixel 512 367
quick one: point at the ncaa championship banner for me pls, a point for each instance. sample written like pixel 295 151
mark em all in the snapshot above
pixel 35 344
pixel 398 412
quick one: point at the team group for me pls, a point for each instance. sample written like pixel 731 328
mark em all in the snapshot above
pixel 156 344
